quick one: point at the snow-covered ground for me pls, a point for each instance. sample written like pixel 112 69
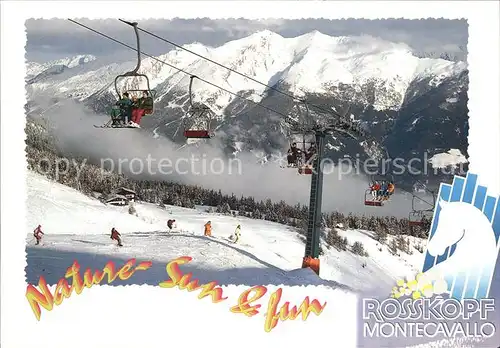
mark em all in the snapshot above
pixel 78 227
pixel 453 157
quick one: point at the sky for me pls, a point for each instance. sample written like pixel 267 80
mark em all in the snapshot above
pixel 60 38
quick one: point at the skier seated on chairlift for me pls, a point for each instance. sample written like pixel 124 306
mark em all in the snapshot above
pixel 293 155
pixel 37 233
pixel 147 102
pixel 136 111
pixel 311 151
pixel 390 190
pixel 116 116
pixel 375 188
pixel 115 235
pixel 383 191
pixel 139 108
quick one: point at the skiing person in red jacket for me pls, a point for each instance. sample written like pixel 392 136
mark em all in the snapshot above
pixel 115 235
pixel 38 234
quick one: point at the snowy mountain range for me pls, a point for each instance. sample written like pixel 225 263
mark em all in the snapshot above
pixel 413 105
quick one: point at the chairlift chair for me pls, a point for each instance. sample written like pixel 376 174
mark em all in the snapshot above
pixel 369 201
pixel 305 170
pixel 198 112
pixel 415 218
pixel 116 113
pixel 135 73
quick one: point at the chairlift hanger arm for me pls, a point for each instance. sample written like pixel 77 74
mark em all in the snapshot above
pixel 193 107
pixel 190 90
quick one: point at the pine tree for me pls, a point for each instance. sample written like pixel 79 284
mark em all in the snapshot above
pixel 335 240
pixel 381 235
pixel 402 244
pixel 359 249
pixel 393 247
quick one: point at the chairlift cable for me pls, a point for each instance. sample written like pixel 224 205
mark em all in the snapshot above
pixel 174 67
pixel 414 195
pixel 214 85
pixel 341 117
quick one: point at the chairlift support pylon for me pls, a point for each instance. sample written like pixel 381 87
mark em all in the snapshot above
pixel 341 126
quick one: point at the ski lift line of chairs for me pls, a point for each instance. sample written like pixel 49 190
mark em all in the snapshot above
pixel 378 198
pixel 198 113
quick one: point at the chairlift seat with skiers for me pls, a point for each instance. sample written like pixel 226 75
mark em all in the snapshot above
pixel 149 110
pixel 302 155
pixel 377 199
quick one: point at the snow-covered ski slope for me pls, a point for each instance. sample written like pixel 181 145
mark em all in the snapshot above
pixel 78 227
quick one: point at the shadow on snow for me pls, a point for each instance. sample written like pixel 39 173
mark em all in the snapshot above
pixel 53 263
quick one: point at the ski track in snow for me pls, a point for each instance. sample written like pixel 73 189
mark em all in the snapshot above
pixel 78 228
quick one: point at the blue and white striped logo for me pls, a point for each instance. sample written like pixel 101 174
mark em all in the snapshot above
pixel 463 243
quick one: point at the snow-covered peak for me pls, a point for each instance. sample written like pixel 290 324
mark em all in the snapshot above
pixel 453 157
pixel 34 69
pixel 310 63
pixel 75 61
pixel 261 35
pixel 315 36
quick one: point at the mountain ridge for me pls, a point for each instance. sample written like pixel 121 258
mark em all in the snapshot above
pixel 389 89
pixel 354 61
